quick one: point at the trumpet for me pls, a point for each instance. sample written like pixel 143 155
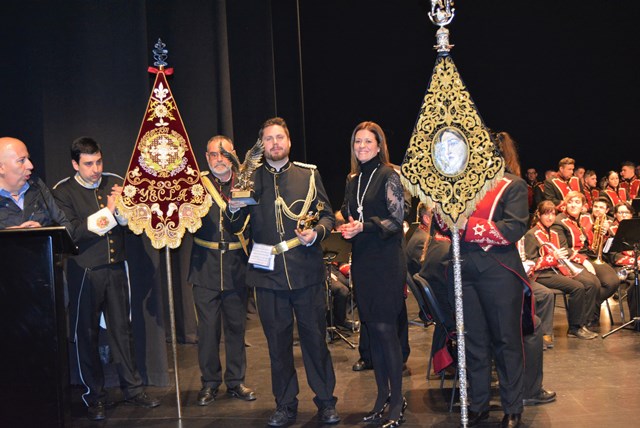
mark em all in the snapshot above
pixel 564 261
pixel 598 238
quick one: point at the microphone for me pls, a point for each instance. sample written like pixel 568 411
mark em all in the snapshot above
pixel 33 183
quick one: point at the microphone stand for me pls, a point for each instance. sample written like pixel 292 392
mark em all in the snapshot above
pixel 635 320
pixel 331 328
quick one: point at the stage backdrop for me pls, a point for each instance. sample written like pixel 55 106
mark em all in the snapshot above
pixel 559 77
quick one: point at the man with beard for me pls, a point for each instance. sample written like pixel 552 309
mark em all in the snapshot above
pixel 217 271
pixel 289 275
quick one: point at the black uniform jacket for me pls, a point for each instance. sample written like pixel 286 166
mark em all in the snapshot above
pixel 213 268
pixel 78 203
pixel 301 266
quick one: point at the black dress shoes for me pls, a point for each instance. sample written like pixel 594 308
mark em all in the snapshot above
pixel 95 412
pixel 476 417
pixel 511 421
pixel 328 415
pixel 542 397
pixel 282 416
pixel 207 396
pixel 361 365
pixel 143 400
pixel 582 333
pixel 242 392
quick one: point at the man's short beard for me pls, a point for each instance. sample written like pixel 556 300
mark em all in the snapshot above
pixel 284 155
pixel 216 172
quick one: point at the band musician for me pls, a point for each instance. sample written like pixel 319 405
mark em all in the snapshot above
pixel 582 235
pixel 557 188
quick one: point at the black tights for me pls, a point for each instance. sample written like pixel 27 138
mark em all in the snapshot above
pixel 386 356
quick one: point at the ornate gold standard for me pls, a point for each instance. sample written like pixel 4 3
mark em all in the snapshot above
pixel 451 161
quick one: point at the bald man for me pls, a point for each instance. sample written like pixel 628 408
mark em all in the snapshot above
pixel 25 201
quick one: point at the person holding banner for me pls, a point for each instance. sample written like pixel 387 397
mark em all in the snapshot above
pixel 493 288
pixel 98 277
pixel 217 272
pixel 287 270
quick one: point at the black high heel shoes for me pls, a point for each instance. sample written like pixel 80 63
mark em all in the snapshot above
pixel 394 423
pixel 376 415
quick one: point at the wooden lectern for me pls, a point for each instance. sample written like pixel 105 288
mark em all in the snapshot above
pixel 34 368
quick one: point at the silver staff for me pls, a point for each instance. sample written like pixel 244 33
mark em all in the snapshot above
pixel 441 14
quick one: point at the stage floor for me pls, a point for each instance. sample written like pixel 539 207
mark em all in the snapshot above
pixel 597 382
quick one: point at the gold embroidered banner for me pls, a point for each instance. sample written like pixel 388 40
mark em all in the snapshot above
pixel 163 193
pixel 451 160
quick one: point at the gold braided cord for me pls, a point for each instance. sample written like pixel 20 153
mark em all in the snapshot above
pixel 311 195
pixel 220 202
pixel 453 191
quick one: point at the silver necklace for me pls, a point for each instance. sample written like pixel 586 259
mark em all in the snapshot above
pixel 360 200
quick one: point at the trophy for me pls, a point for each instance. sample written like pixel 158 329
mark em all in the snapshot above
pixel 309 220
pixel 242 191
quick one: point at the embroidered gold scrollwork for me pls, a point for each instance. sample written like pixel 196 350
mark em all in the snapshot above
pixel 451 161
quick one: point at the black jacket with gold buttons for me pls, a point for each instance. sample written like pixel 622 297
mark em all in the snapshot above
pixel 78 203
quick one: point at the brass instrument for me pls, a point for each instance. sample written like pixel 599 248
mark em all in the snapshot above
pixel 598 238
pixel 575 270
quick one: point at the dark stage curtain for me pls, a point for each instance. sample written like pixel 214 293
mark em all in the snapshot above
pixel 80 68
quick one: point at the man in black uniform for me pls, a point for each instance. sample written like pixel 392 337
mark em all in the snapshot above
pixel 217 271
pixel 97 277
pixel 287 270
pixel 25 201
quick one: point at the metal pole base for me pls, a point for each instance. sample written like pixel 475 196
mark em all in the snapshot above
pixel 615 330
pixel 333 331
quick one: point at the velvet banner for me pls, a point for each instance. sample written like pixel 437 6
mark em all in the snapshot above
pixel 163 193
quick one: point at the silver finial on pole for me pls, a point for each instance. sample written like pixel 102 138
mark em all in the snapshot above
pixel 160 54
pixel 441 14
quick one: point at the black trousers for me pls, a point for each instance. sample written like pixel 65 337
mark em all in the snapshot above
pixel 533 361
pixel 217 310
pixel 277 310
pixel 104 289
pixel 609 282
pixel 492 301
pixel 544 301
pixel 582 291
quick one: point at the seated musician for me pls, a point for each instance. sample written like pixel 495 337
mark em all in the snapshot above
pixel 553 269
pixel 557 188
pixel 629 179
pixel 625 259
pixel 613 191
pixel 591 191
pixel 584 238
pixel 532 183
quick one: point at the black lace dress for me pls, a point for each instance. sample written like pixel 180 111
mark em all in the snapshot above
pixel 378 266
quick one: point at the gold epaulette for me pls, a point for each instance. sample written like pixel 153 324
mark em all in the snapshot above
pixel 305 165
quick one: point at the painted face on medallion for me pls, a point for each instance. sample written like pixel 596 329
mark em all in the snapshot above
pixel 450 151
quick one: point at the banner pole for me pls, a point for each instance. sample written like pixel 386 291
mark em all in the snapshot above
pixel 173 328
pixel 462 360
